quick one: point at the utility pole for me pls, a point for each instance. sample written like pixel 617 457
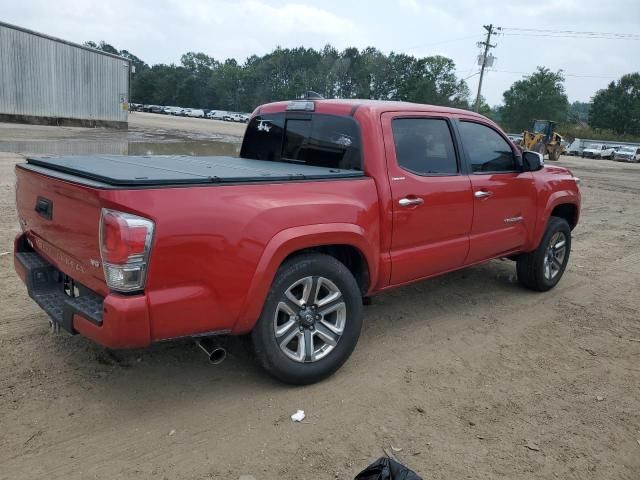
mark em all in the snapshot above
pixel 487 46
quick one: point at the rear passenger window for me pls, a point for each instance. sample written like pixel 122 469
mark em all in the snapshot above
pixel 486 149
pixel 313 139
pixel 424 146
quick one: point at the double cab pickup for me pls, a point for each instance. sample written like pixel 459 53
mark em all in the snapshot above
pixel 330 202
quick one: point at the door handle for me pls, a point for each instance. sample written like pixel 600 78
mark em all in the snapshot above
pixel 410 202
pixel 482 194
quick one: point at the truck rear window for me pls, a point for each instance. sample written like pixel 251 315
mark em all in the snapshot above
pixel 311 139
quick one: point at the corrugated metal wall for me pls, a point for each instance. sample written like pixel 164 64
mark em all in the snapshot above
pixel 44 77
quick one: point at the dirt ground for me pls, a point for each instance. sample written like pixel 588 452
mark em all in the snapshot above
pixel 465 376
pixel 185 124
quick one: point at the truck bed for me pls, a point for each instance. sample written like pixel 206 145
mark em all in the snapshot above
pixel 167 170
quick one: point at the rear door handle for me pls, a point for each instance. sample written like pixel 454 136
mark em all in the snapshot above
pixel 410 202
pixel 482 194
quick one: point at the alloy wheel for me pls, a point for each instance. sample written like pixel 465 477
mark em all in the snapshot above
pixel 310 319
pixel 554 255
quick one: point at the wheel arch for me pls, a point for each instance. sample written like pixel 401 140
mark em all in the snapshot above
pixel 568 211
pixel 349 255
pixel 347 243
pixel 563 204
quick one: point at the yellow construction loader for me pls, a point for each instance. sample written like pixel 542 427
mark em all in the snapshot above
pixel 543 139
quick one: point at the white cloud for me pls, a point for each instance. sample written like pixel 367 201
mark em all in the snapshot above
pixel 410 4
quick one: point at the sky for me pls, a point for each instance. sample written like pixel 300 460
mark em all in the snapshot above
pixel 160 31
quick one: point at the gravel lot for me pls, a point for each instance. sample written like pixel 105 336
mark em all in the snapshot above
pixel 464 376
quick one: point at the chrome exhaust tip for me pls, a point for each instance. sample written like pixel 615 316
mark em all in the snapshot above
pixel 215 352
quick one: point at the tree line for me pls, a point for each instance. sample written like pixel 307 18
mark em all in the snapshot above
pixel 613 112
pixel 201 81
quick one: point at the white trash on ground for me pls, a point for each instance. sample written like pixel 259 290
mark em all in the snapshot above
pixel 298 416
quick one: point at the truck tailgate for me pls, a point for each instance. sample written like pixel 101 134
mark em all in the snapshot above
pixel 61 220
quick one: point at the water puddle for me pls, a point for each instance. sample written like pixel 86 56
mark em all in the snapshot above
pixel 102 141
pixel 79 147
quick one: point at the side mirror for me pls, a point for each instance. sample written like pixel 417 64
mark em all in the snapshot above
pixel 532 161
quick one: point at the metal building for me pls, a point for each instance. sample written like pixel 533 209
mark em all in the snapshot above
pixel 50 81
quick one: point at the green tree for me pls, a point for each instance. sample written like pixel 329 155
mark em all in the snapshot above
pixel 540 95
pixel 286 73
pixel 579 113
pixel 434 82
pixel 617 107
pixel 226 88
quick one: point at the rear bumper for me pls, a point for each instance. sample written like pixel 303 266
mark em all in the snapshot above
pixel 114 321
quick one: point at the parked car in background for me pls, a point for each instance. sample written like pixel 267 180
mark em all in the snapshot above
pixel 193 112
pixel 173 110
pixel 576 147
pixel 156 109
pixel 236 117
pixel 216 114
pixel 628 153
pixel 327 204
pixel 598 150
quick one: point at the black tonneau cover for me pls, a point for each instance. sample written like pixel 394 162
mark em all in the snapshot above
pixel 127 171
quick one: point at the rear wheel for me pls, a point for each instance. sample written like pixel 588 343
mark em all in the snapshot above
pixel 311 320
pixel 543 268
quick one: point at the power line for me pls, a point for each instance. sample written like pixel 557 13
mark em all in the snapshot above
pixel 542 32
pixel 594 37
pixel 442 42
pixel 581 32
pixel 563 73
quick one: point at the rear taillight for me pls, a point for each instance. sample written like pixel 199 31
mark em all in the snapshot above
pixel 125 243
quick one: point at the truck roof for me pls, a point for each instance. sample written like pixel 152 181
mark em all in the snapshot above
pixel 350 106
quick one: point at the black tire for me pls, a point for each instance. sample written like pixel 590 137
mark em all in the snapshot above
pixel 531 266
pixel 267 349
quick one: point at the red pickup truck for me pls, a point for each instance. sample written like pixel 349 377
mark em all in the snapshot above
pixel 331 201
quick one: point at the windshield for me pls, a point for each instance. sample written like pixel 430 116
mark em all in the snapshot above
pixel 312 139
pixel 628 149
pixel 540 126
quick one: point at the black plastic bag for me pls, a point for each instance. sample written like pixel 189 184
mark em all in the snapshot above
pixel 387 469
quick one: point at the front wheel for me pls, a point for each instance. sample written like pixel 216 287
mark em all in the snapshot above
pixel 543 268
pixel 311 320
